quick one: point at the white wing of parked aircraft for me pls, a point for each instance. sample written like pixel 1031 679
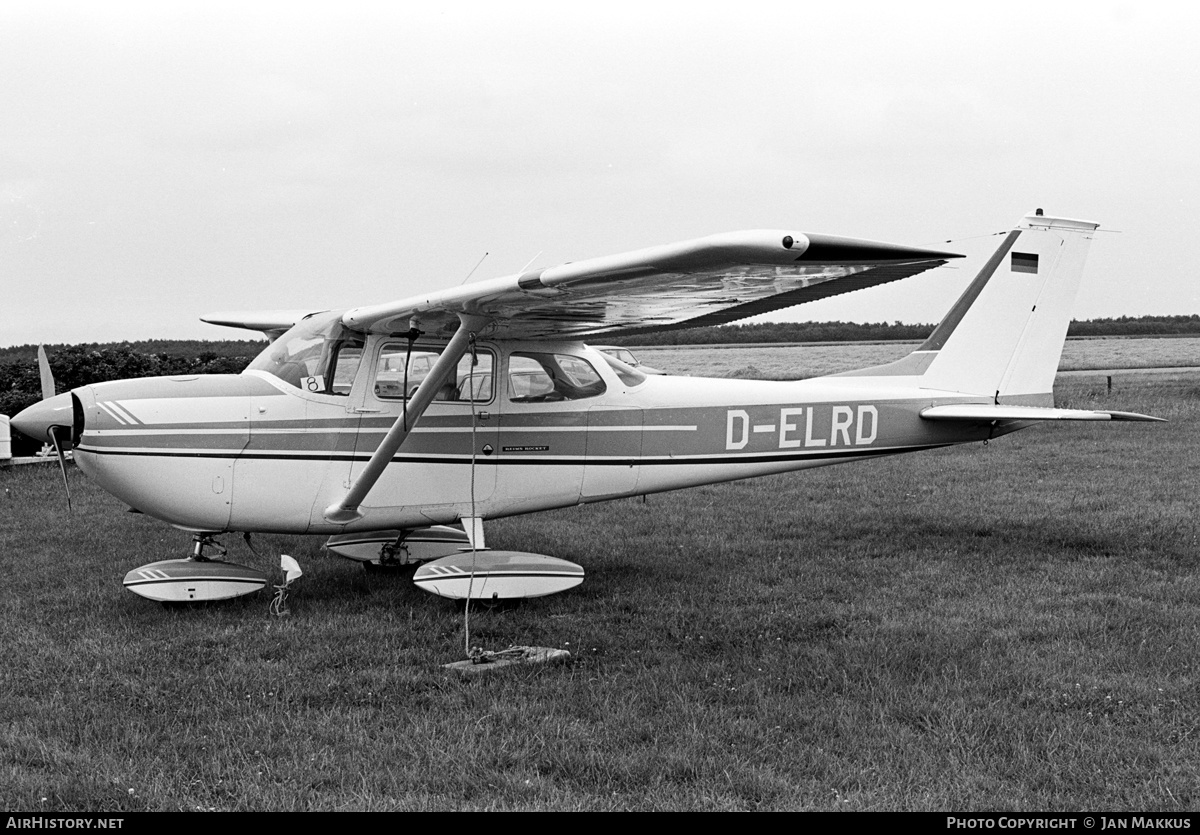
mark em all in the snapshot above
pixel 707 281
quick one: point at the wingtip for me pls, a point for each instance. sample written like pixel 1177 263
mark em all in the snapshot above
pixel 833 249
pixel 1134 416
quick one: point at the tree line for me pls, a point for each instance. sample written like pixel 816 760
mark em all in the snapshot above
pixel 186 348
pixel 81 365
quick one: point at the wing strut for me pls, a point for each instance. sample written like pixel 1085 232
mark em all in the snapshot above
pixel 347 510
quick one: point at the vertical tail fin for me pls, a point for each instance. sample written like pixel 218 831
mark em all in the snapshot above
pixel 1004 336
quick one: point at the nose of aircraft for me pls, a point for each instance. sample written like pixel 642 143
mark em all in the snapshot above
pixel 35 422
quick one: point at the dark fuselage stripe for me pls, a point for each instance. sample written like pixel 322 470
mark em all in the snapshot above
pixel 464 572
pixel 159 581
pixel 748 458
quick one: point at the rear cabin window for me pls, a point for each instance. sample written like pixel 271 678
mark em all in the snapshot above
pixel 548 378
pixel 627 374
pixel 400 371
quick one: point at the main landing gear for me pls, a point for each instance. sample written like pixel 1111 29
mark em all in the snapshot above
pixel 200 541
pixel 201 577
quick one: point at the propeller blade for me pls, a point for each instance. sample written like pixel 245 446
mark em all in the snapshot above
pixel 45 373
pixel 62 463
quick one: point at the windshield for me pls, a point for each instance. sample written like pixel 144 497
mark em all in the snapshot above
pixel 317 355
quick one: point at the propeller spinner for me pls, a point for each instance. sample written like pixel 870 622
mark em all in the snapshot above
pixel 37 421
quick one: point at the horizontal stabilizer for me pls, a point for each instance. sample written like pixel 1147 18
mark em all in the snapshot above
pixel 988 412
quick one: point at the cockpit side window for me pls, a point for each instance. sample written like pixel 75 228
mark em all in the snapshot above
pixel 548 378
pixel 401 369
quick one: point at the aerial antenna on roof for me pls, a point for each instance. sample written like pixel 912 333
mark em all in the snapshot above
pixel 473 269
pixel 530 261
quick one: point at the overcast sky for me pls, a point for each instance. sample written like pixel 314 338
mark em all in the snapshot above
pixel 156 165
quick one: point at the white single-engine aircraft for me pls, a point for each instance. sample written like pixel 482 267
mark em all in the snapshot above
pixel 381 424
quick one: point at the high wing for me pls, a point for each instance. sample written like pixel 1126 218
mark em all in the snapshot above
pixel 706 281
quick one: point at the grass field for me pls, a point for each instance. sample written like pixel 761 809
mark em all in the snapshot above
pixel 813 360
pixel 1005 627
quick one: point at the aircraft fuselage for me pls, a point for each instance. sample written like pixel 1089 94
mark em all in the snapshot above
pixel 254 452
